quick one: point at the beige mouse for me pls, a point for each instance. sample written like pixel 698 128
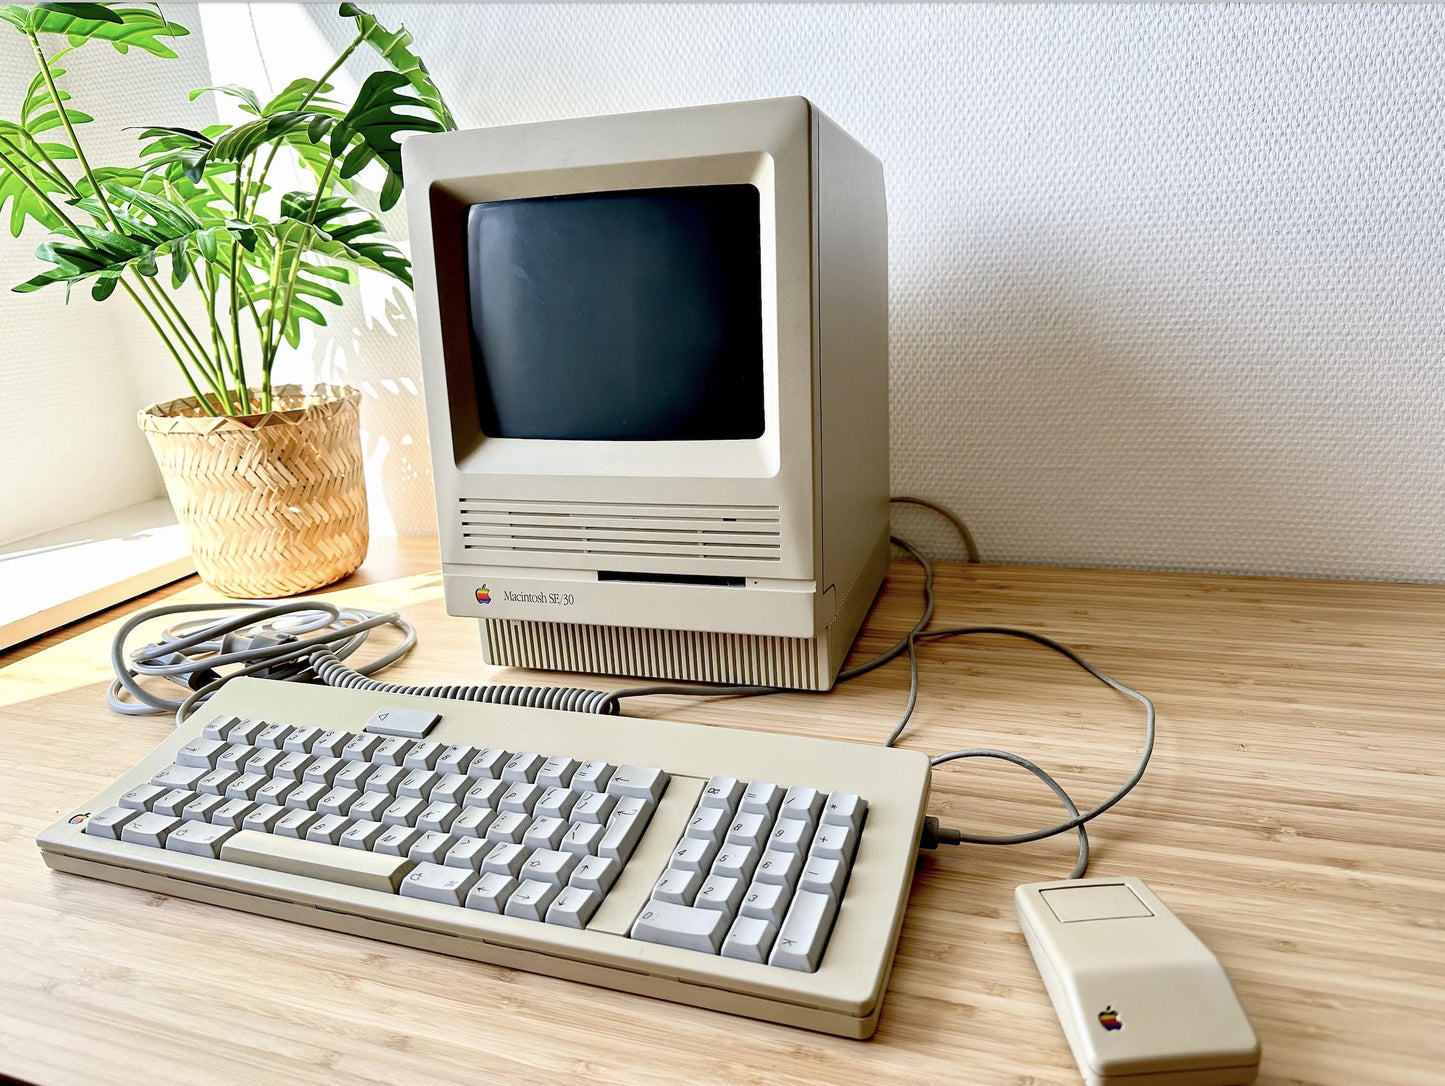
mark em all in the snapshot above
pixel 1141 1000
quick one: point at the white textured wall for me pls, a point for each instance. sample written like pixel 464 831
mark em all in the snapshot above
pixel 1167 281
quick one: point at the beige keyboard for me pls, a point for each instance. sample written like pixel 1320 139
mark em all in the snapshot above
pixel 741 871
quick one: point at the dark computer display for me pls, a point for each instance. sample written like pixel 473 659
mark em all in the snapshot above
pixel 618 316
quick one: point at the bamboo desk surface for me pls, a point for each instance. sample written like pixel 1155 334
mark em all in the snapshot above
pixel 1292 817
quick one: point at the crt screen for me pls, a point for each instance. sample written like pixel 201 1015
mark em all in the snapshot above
pixel 621 316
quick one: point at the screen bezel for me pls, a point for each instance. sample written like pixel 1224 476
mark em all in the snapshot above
pixel 473 451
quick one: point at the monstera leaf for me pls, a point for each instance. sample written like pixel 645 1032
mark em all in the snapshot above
pixel 394 48
pixel 123 28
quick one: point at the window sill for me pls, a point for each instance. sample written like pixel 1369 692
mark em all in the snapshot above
pixel 52 579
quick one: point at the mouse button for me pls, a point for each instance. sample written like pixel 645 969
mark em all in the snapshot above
pixel 1115 901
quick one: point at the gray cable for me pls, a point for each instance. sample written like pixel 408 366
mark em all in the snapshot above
pixel 297 641
pixel 970 548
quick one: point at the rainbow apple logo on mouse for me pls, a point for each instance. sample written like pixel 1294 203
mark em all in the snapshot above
pixel 484 595
pixel 1110 1020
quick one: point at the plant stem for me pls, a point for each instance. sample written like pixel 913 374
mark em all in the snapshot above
pixel 301 247
pixel 59 104
pixel 305 101
pixel 205 403
pixel 238 362
pixel 212 378
pixel 55 173
pixel 70 130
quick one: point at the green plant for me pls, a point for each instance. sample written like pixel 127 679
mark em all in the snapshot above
pixel 200 200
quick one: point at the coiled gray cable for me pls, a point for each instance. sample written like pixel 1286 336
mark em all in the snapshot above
pixel 297 641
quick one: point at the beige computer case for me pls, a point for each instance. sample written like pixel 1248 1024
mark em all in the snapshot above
pixel 765 554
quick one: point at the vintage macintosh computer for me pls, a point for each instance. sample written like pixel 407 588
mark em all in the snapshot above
pixel 655 351
pixel 655 355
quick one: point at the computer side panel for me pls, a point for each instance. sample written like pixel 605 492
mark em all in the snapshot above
pixel 851 322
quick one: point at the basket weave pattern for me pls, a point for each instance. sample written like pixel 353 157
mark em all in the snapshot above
pixel 272 504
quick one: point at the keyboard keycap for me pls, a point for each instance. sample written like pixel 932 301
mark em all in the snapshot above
pixel 749 939
pixel 293 765
pixel 594 807
pixel 805 804
pixel 353 775
pixel 472 822
pixel 362 834
pixel 549 866
pixel 582 838
pixel 790 835
pixel 328 828
pixel 468 852
pixel 822 876
pixel 392 750
pixel 804 933
pixel 677 886
pixel 386 779
pixel 835 841
pixel 766 901
pixel 403 811
pixel 749 829
pixel 723 793
pixel 456 758
pixel 641 782
pixel 301 739
pixel 737 862
pixel 452 788
pixel 306 796
pixel 521 797
pixel 245 786
pixel 396 841
pixel 621 837
pixel 359 748
pixel 371 806
pixel 216 782
pixel 244 732
pixel 142 797
pixel 173 802
pixel 263 817
pixel 845 809
pixel 201 808
pixel 595 873
pixel 438 816
pixel 693 854
pixel 556 772
pixel 272 736
pixel 330 743
pixel 297 823
pixel 323 770
pixel 762 798
pixel 408 723
pixel 235 757
pixel 530 900
pixel 150 829
pixel 231 813
pixel 719 892
pixel 179 776
pixel 681 926
pixel 573 907
pixel 508 827
pixel 505 859
pixel 200 752
pixel 522 767
pixel 556 802
pixel 198 839
pixel 351 866
pixel 423 756
pixel 430 848
pixel 781 868
pixel 545 833
pixel 592 777
pixel 109 822
pixel 263 761
pixel 486 793
pixel 275 791
pixel 708 823
pixel 218 726
pixel 444 885
pixel 490 892
pixel 488 763
pixel 418 783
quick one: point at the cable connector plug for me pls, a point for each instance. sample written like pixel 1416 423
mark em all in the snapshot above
pixel 935 835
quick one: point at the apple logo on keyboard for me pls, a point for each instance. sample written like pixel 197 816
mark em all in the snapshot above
pixel 1110 1020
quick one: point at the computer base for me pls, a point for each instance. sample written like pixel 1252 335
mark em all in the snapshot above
pixel 798 663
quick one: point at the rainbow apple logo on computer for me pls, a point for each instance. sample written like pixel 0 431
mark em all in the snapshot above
pixel 1110 1020
pixel 484 595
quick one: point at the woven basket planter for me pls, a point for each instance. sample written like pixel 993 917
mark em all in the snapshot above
pixel 272 504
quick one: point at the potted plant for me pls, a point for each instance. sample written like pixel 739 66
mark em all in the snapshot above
pixel 266 480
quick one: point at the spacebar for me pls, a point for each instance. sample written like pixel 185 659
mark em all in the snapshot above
pixel 316 860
